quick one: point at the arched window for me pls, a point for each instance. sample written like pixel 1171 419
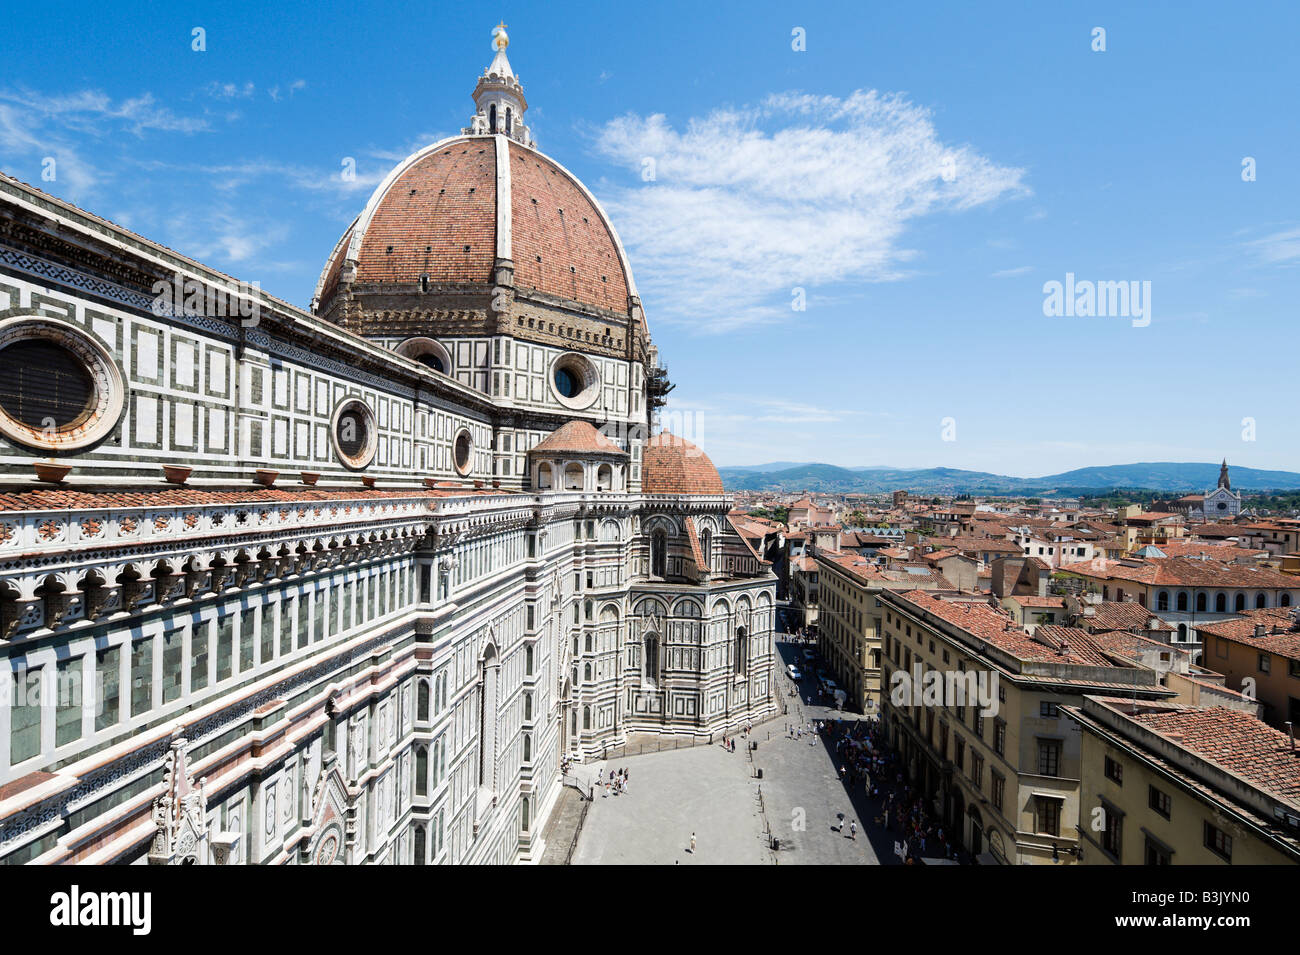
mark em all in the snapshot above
pixel 573 480
pixel 1260 601
pixel 544 479
pixel 1240 603
pixel 604 478
pixel 507 132
pixel 418 845
pixel 659 554
pixel 1220 603
pixel 706 547
pixel 1182 601
pixel 1162 600
pixel 528 748
pixel 742 650
pixel 492 117
pixel 1285 601
pixel 421 771
pixel 586 673
pixel 487 718
pixel 525 816
pixel 586 717
pixel 1200 603
pixel 422 700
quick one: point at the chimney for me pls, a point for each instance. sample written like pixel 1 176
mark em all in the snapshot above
pixel 1260 630
pixel 1290 731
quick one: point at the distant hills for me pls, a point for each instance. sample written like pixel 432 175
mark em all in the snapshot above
pixel 1160 476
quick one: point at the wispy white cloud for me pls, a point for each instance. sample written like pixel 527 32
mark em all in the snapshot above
pixel 225 236
pixel 1279 247
pixel 59 135
pixel 1012 273
pixel 737 209
pixel 230 90
pixel 95 113
pixel 276 94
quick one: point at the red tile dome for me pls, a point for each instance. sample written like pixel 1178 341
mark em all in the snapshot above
pixel 449 212
pixel 672 465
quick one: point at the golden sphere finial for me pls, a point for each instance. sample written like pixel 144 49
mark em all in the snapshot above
pixel 500 39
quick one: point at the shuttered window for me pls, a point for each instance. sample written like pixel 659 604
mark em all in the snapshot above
pixel 41 381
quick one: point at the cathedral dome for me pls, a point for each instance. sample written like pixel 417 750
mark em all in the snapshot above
pixel 447 215
pixel 673 465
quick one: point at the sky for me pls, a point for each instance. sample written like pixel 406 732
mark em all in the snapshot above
pixel 843 218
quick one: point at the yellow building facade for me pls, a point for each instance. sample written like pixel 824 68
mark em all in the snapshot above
pixel 1003 775
pixel 1170 784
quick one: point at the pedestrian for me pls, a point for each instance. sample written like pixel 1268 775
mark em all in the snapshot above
pixel 853 829
pixel 692 843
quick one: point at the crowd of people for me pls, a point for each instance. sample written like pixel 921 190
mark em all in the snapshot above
pixel 613 785
pixel 869 766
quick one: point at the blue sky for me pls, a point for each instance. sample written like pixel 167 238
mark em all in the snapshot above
pixel 919 171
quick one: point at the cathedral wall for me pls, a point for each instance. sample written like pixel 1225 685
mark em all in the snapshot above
pixel 206 394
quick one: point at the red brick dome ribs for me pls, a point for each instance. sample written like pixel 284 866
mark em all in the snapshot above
pixel 436 219
pixel 672 465
pixel 562 245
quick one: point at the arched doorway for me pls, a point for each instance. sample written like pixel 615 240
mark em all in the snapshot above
pixel 651 659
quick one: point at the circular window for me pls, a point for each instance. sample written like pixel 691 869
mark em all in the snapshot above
pixel 574 380
pixel 566 383
pixel 463 451
pixel 355 436
pixel 59 388
pixel 427 352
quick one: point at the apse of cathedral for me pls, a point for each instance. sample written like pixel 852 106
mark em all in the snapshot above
pixel 350 584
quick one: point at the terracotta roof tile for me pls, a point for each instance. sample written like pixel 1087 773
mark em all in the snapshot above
pixel 1234 740
pixel 1280 636
pixel 673 465
pixel 577 437
pixel 42 499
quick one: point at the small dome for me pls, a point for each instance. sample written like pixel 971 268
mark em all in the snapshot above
pixel 672 465
pixel 577 437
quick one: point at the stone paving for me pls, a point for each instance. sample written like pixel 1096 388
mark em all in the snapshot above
pixel 715 794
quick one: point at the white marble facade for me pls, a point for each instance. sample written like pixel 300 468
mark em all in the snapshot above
pixel 313 647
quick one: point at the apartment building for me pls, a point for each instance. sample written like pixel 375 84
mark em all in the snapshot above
pixel 1258 652
pixel 849 618
pixel 1168 784
pixel 973 705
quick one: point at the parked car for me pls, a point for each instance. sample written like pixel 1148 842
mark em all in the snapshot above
pixel 794 671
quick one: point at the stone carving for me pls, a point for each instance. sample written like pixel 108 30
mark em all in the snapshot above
pixel 180 814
